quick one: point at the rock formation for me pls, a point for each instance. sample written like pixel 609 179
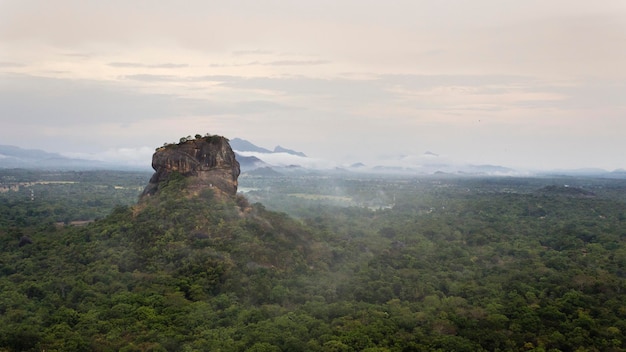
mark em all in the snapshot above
pixel 206 161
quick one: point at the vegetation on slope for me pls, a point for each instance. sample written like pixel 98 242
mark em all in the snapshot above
pixel 454 266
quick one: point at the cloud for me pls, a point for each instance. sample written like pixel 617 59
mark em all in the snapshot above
pixel 11 64
pixel 286 159
pixel 140 65
pixel 346 106
pixel 276 63
pixel 147 77
pixel 252 52
pixel 137 157
pixel 368 76
pixel 295 63
pixel 48 101
pixel 64 103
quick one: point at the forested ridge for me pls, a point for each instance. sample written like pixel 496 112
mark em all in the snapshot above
pixel 454 265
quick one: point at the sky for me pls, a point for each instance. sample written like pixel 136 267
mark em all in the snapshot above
pixel 524 84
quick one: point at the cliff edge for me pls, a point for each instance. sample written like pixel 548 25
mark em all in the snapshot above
pixel 205 161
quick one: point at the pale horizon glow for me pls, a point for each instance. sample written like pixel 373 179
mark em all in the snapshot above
pixel 525 84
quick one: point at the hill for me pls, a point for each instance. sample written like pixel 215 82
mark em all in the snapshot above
pixel 566 190
pixel 243 145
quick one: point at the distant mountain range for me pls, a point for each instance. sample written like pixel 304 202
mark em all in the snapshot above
pixel 252 157
pixel 259 161
pixel 16 157
pixel 281 160
pixel 242 145
pixel 12 157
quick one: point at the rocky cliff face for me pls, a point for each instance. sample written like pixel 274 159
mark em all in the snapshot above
pixel 206 161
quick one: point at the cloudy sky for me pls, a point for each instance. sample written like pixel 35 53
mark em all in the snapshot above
pixel 525 84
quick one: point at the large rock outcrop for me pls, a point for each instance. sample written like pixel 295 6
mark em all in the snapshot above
pixel 206 161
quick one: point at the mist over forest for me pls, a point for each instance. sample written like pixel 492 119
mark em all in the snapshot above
pixel 311 262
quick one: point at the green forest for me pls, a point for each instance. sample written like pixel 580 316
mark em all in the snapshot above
pixel 312 263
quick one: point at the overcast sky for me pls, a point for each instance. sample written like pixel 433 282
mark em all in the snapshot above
pixel 525 84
